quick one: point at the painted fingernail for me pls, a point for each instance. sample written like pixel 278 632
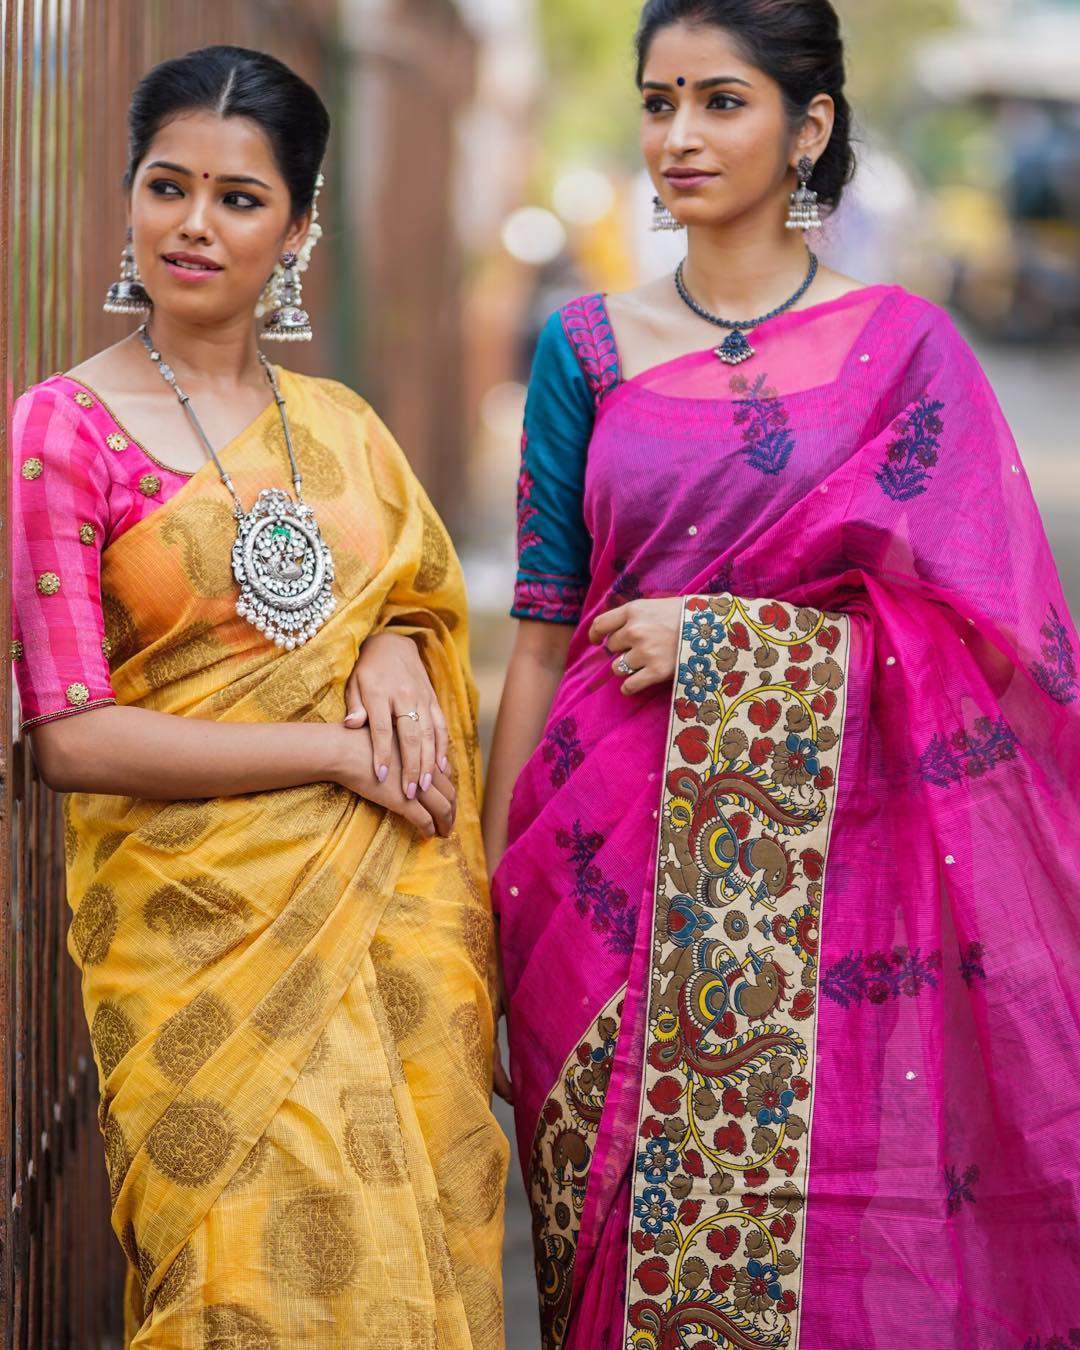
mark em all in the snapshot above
pixel 383 773
pixel 410 791
pixel 444 765
pixel 425 782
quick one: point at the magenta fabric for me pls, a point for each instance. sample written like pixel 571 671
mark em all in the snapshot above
pixel 859 463
pixel 78 482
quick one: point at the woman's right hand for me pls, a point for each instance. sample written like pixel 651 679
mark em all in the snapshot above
pixel 431 812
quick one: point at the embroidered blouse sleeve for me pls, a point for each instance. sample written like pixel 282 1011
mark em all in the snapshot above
pixel 59 523
pixel 553 543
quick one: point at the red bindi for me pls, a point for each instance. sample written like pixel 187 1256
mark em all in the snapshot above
pixel 206 175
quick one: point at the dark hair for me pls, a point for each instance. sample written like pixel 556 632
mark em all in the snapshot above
pixel 236 82
pixel 795 42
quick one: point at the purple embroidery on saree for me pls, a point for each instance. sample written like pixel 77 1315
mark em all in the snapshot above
pixel 605 904
pixel 626 586
pixel 768 441
pixel 1055 674
pixel 971 967
pixel 562 750
pixel 906 470
pixel 550 598
pixel 587 326
pixel 960 1187
pixel 879 977
pixel 1055 1342
pixel 948 760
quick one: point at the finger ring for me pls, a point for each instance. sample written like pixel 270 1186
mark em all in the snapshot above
pixel 623 666
pixel 413 716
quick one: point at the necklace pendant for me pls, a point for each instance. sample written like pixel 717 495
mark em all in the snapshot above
pixel 735 349
pixel 283 568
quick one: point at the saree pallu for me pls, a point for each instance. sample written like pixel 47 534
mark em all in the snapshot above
pixel 790 949
pixel 289 994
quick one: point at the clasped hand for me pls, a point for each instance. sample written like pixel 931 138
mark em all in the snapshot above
pixel 390 695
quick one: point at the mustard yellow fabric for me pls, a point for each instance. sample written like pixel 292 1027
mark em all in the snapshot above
pixel 289 994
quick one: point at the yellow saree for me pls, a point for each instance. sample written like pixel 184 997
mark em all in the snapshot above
pixel 289 993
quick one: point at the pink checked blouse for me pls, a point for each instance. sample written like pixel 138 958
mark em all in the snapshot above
pixel 80 482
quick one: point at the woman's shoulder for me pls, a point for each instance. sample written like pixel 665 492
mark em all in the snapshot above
pixel 54 409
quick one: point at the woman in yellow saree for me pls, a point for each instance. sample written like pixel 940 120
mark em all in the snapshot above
pixel 285 943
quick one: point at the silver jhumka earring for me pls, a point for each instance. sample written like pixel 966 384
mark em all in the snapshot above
pixel 804 213
pixel 288 322
pixel 663 221
pixel 128 295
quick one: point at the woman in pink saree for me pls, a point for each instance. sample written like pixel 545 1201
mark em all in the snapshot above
pixel 787 881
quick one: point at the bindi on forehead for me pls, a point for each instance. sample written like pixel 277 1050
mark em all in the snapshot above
pixel 681 81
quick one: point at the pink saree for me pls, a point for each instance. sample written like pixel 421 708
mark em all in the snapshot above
pixel 789 950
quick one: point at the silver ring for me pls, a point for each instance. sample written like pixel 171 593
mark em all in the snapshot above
pixel 623 667
pixel 413 716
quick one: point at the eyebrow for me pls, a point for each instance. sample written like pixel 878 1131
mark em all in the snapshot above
pixel 700 84
pixel 221 178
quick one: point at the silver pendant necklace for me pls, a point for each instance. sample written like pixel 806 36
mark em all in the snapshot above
pixel 736 348
pixel 282 565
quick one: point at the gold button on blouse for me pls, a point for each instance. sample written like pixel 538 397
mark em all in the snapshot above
pixel 87 534
pixel 32 468
pixel 48 583
pixel 83 399
pixel 115 441
pixel 149 485
pixel 78 695
pixel 17 650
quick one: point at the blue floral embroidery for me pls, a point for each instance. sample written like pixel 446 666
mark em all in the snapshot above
pixel 1055 674
pixel 654 1209
pixel 802 757
pixel 657 1161
pixel 698 678
pixel 910 457
pixel 951 759
pixel 971 967
pixel 768 441
pixel 960 1187
pixel 880 976
pixel 563 751
pixel 704 632
pixel 607 905
pixel 778 1114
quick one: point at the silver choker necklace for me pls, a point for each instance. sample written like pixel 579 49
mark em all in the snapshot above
pixel 281 564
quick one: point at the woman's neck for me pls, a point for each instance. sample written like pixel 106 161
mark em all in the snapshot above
pixel 223 354
pixel 744 270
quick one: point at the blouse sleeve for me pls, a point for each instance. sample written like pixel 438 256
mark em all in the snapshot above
pixel 554 546
pixel 59 522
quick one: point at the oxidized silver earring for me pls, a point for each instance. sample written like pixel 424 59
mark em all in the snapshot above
pixel 804 213
pixel 662 219
pixel 288 322
pixel 128 295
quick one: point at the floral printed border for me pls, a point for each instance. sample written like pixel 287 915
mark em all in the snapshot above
pixel 562 1155
pixel 720 1185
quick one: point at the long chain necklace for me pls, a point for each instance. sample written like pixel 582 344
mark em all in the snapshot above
pixel 735 349
pixel 281 564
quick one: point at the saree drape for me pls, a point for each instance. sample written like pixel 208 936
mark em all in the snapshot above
pixel 811 915
pixel 289 994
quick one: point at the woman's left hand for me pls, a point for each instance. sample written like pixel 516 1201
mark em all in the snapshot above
pixel 644 638
pixel 387 686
